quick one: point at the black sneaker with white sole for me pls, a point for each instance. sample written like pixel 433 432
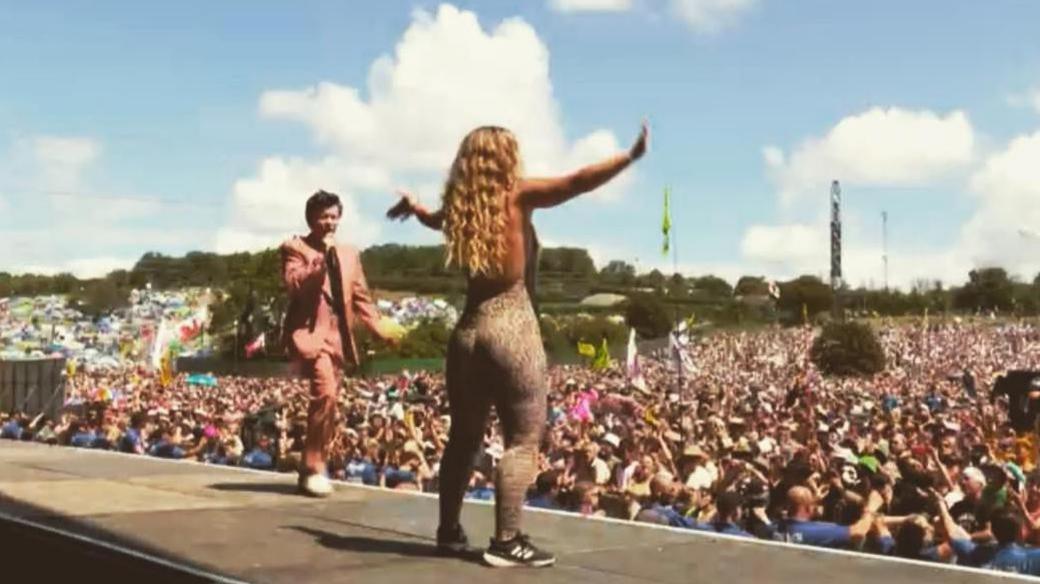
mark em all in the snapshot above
pixel 452 542
pixel 517 552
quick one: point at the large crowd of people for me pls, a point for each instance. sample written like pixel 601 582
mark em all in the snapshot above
pixel 750 441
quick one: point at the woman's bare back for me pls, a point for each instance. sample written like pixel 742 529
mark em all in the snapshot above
pixel 521 249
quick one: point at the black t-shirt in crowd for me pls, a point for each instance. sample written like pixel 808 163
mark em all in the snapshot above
pixel 965 513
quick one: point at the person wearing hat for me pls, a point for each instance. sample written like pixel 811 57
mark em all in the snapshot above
pixel 695 464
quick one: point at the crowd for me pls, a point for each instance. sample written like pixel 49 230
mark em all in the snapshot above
pixel 45 326
pixel 748 441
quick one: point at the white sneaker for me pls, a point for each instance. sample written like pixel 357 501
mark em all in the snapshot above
pixel 316 485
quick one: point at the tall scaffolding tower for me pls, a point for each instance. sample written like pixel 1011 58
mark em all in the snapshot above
pixel 836 246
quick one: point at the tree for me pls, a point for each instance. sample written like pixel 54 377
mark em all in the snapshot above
pixel 847 349
pixel 986 289
pixel 751 286
pixel 567 260
pixel 713 286
pixel 655 279
pixel 100 297
pixel 678 287
pixel 618 272
pixel 807 291
pixel 647 314
pixel 427 340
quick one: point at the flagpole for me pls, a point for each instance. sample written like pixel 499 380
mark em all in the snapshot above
pixel 675 248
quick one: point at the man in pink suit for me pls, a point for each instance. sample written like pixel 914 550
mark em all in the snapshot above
pixel 327 292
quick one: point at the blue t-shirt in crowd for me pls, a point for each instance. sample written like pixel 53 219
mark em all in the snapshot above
pixel 83 439
pixel 362 471
pixel 723 528
pixel 934 403
pixel 396 476
pixel 542 502
pixel 481 494
pixel 131 441
pixel 1015 559
pixel 675 519
pixel 258 459
pixel 164 449
pixel 11 430
pixel 814 533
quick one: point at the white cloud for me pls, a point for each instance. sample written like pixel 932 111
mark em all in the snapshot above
pixel 270 206
pixel 1007 187
pixel 99 266
pixel 788 250
pixel 61 161
pixel 780 244
pixel 590 5
pixel 879 147
pixel 712 16
pixel 1030 99
pixel 447 75
pixel 58 222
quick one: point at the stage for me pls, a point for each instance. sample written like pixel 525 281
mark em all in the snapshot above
pixel 99 513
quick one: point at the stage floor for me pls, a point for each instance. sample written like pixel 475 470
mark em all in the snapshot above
pixel 251 526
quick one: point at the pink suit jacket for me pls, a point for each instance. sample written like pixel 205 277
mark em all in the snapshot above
pixel 309 320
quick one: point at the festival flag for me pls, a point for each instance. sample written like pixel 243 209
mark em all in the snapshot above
pixel 259 344
pixel 774 290
pixel 635 372
pixel 678 339
pixel 166 370
pixel 586 350
pixel 666 222
pixel 805 314
pixel 649 416
pixel 602 359
pixel 160 345
pixel 189 329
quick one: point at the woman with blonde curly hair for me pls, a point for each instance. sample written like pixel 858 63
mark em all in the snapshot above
pixel 495 355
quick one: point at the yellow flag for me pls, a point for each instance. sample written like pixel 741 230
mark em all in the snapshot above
pixel 649 417
pixel 166 370
pixel 602 359
pixel 586 350
pixel 392 328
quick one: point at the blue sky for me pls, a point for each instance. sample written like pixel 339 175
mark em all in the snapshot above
pixel 199 125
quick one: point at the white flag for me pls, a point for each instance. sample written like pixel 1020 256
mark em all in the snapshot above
pixel 678 340
pixel 159 344
pixel 635 372
pixel 774 290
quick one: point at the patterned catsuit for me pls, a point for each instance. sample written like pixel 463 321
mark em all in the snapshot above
pixel 495 357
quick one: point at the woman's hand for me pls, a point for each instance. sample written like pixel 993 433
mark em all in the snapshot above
pixel 638 149
pixel 404 208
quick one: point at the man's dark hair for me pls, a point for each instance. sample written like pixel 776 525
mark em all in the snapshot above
pixel 1005 526
pixel 547 481
pixel 138 420
pixel 320 201
pixel 728 504
pixel 910 541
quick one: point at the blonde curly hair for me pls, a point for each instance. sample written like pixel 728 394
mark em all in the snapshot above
pixel 486 168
